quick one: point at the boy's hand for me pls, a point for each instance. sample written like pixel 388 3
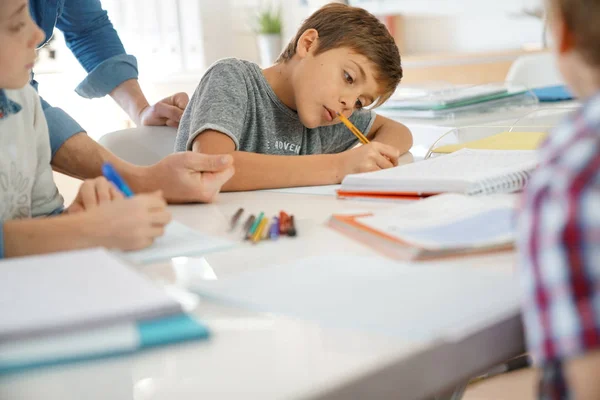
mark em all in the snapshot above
pixel 94 192
pixel 129 224
pixel 368 157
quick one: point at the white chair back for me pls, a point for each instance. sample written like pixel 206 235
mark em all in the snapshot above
pixel 145 145
pixel 535 70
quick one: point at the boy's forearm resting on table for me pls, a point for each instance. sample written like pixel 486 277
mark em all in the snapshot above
pixel 45 235
pixel 262 171
pixel 390 132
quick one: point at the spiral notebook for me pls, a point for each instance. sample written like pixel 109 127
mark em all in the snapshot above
pixel 83 305
pixel 464 171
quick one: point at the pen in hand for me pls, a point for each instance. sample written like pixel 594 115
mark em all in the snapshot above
pixel 111 174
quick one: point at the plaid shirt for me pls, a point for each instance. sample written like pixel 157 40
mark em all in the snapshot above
pixel 559 243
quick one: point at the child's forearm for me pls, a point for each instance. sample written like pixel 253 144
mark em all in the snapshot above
pixel 261 171
pixel 24 237
pixel 396 136
pixel 392 133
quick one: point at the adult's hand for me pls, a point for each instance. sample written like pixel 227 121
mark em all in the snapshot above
pixel 167 112
pixel 187 177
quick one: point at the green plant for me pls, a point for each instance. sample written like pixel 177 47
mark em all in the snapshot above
pixel 268 20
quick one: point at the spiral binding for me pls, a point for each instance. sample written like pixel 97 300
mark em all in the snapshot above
pixel 506 183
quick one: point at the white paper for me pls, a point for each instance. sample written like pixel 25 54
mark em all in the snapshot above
pixel 449 221
pixel 178 240
pixel 74 290
pixel 425 301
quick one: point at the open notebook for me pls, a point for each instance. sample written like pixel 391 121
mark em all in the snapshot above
pixel 82 305
pixel 445 225
pixel 459 172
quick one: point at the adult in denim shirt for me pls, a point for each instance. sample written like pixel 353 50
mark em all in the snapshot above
pixel 183 177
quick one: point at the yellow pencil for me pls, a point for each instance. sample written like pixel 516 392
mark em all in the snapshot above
pixel 258 233
pixel 353 129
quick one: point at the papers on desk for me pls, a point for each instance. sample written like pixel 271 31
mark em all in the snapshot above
pixel 451 101
pixel 376 295
pixel 80 305
pixel 444 98
pixel 178 240
pixel 444 225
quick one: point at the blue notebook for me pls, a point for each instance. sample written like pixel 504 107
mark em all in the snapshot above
pixel 553 93
pixel 108 341
pixel 83 305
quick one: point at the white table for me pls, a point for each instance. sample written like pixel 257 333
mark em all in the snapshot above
pixel 262 356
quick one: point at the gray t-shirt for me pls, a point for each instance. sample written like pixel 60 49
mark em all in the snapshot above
pixel 234 98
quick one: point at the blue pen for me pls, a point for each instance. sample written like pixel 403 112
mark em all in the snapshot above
pixel 113 176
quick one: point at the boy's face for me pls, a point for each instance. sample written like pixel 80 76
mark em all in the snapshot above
pixel 19 37
pixel 337 80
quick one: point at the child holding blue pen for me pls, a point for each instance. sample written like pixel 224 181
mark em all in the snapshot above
pixel 100 214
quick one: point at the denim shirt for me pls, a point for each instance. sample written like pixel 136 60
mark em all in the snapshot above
pixel 7 106
pixel 91 37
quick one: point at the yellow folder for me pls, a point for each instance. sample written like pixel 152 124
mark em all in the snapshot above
pixel 501 141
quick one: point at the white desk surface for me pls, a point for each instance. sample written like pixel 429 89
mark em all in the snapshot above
pixel 262 356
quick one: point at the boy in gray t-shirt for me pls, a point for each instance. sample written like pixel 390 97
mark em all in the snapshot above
pixel 341 60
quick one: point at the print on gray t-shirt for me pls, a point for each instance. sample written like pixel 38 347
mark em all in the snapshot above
pixel 234 98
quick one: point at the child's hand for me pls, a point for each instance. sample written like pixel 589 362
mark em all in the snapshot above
pixel 94 192
pixel 129 224
pixel 368 157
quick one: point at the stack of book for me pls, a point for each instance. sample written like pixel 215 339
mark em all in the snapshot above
pixel 455 100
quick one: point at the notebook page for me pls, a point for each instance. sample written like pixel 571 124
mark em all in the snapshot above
pixel 449 221
pixel 74 290
pixel 178 240
pixel 437 210
pixel 452 172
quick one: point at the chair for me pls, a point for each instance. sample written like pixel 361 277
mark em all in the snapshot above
pixel 535 70
pixel 145 145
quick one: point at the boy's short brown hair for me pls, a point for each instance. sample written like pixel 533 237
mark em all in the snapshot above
pixel 340 25
pixel 581 18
